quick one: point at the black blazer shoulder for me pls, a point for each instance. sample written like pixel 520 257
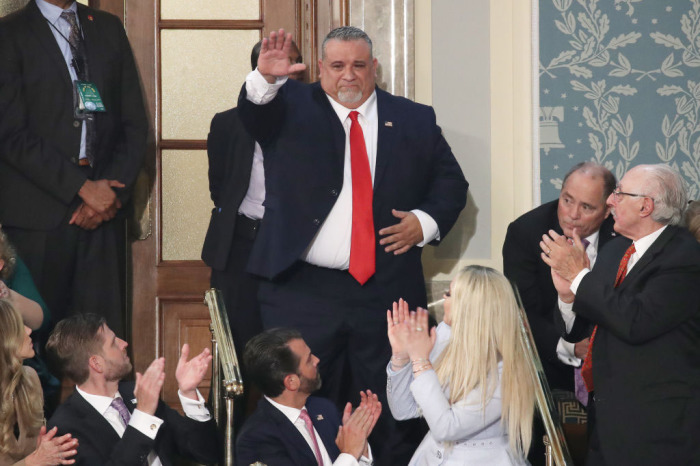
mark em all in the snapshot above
pixel 100 443
pixel 230 151
pixel 268 435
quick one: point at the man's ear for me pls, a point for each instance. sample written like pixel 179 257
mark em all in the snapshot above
pixel 292 382
pixel 647 207
pixel 96 363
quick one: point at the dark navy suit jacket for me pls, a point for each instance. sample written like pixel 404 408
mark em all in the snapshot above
pixel 269 437
pixel 304 145
pixel 99 443
pixel 523 265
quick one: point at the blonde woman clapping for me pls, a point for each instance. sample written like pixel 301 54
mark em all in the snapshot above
pixel 468 377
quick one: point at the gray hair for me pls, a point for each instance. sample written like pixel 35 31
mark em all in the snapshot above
pixel 346 33
pixel 668 192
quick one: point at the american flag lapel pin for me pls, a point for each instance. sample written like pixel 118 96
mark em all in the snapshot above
pixel 389 124
pixel 90 18
pixel 319 417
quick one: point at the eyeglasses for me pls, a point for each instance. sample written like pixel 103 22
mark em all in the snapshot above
pixel 617 194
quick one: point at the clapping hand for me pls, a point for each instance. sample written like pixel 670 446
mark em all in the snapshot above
pixel 398 333
pixel 52 450
pixel 421 338
pixel 273 61
pixel 148 386
pixel 189 374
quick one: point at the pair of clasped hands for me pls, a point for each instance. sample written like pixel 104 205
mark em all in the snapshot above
pixel 409 335
pixel 100 203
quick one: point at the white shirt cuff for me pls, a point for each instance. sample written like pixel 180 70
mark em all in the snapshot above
pixel 145 423
pixel 429 227
pixel 258 90
pixel 577 281
pixel 566 354
pixel 194 409
pixel 567 314
pixel 346 459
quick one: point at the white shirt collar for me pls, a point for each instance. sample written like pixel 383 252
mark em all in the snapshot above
pixel 52 12
pixel 643 244
pixel 291 413
pixel 368 109
pixel 99 402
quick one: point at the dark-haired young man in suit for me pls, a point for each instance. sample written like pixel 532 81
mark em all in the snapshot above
pixel 66 173
pixel 290 427
pixel 126 423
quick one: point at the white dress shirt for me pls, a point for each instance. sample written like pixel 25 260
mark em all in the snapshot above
pixel 331 246
pixel 252 204
pixel 344 459
pixel 565 349
pixel 145 423
pixel 640 246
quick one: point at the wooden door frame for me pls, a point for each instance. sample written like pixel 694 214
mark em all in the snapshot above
pixel 154 283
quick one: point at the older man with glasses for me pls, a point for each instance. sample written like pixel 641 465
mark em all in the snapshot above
pixel 643 295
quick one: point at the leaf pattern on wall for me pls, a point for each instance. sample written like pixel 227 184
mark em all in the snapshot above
pixel 627 76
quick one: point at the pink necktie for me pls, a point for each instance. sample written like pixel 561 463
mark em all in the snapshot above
pixel 362 248
pixel 310 428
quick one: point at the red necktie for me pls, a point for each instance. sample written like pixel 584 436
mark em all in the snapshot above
pixel 310 427
pixel 362 253
pixel 587 367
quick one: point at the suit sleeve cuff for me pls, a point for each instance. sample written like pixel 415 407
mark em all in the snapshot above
pixel 577 281
pixel 194 409
pixel 258 90
pixel 567 314
pixel 145 423
pixel 429 227
pixel 565 353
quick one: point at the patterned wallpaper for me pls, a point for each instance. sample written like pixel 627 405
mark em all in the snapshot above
pixel 620 85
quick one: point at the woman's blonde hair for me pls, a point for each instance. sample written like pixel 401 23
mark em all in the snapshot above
pixel 486 330
pixel 21 399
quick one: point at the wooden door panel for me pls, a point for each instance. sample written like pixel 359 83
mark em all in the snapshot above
pixel 182 320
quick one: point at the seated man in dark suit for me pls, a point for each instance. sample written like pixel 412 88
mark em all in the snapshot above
pixel 290 427
pixel 581 205
pixel 124 423
pixel 643 363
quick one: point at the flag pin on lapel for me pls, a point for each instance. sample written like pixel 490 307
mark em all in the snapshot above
pixel 90 18
pixel 319 417
pixel 389 124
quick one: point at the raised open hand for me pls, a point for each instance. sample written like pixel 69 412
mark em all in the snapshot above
pixel 398 334
pixel 189 374
pixel 148 386
pixel 273 61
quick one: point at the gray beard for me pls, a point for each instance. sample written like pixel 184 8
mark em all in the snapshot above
pixel 349 97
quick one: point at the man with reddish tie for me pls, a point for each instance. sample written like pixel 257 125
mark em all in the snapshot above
pixel 643 361
pixel 357 181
